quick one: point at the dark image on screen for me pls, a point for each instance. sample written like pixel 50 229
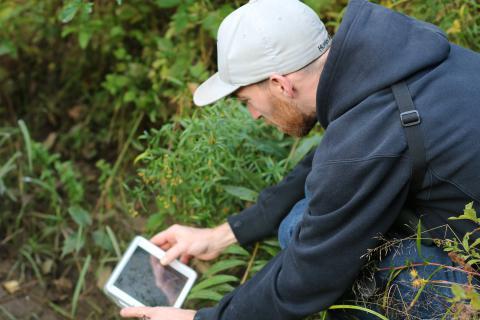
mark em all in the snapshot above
pixel 146 280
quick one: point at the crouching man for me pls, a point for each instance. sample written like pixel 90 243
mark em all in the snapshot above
pixel 400 107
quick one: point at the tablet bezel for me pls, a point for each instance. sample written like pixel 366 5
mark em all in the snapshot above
pixel 125 300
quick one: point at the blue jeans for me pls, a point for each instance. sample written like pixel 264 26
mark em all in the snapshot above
pixel 290 222
pixel 400 287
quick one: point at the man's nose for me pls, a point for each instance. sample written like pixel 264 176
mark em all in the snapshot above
pixel 254 113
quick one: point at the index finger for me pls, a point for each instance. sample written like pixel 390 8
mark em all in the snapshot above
pixel 161 238
pixel 138 312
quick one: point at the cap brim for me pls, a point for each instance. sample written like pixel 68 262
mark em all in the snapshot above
pixel 211 90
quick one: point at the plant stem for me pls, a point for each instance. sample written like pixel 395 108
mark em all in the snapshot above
pixel 430 264
pixel 118 162
pixel 250 263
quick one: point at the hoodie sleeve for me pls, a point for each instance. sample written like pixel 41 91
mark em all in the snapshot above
pixel 353 202
pixel 274 203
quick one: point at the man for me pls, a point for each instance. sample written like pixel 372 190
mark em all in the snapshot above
pixel 278 59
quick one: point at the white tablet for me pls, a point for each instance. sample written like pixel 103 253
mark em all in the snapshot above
pixel 140 279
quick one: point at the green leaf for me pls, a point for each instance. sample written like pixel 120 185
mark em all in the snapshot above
pixel 465 240
pixel 343 306
pixel 73 243
pixel 87 8
pixel 272 251
pixel 236 249
pixel 155 221
pixel 306 144
pixel 69 10
pixel 241 193
pixel 206 295
pixel 224 265
pixel 458 292
pixel 167 3
pixel 272 243
pixel 84 38
pixel 68 30
pixel 28 143
pixel 474 300
pixel 214 18
pixel 469 213
pixel 213 281
pixel 129 96
pixel 113 240
pixel 8 47
pixel 80 284
pixel 9 165
pixel 101 239
pixel 119 2
pixel 80 216
pixel 224 288
pixel 472 262
pixel 475 243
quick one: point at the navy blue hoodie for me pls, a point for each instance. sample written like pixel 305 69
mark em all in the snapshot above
pixel 360 174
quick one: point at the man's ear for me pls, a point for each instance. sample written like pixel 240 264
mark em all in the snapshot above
pixel 281 86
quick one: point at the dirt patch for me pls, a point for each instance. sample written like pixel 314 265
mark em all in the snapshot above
pixel 31 301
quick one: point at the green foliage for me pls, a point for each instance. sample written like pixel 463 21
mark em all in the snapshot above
pixel 202 168
pixel 87 77
pixel 43 208
pixel 86 69
pixel 466 250
pixel 234 267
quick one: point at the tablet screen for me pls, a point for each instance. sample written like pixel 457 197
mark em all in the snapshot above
pixel 145 279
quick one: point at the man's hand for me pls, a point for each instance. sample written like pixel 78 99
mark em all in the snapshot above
pixel 186 242
pixel 158 313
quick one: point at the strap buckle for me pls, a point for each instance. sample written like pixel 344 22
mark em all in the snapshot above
pixel 410 118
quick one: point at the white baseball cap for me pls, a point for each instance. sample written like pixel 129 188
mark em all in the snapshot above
pixel 261 38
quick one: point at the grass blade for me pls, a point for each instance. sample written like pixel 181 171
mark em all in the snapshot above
pixel 9 166
pixel 59 310
pixel 79 286
pixel 28 143
pixel 114 241
pixel 346 306
pixel 36 270
pixel 7 314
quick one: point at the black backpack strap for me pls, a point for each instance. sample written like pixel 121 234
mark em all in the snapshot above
pixel 410 120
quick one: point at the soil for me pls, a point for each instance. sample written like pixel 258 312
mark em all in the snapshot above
pixel 32 302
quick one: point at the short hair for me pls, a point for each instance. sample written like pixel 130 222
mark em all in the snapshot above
pixel 310 68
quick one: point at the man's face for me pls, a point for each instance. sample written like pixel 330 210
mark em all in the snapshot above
pixel 285 114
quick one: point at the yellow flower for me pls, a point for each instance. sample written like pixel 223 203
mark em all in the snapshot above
pixel 417 283
pixel 455 28
pixel 413 273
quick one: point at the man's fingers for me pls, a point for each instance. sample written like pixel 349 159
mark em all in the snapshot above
pixel 185 258
pixel 172 254
pixel 162 238
pixel 165 246
pixel 137 312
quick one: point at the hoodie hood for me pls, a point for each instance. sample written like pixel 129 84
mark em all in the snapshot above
pixel 373 49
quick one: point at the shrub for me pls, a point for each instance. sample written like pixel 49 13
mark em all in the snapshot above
pixel 202 168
